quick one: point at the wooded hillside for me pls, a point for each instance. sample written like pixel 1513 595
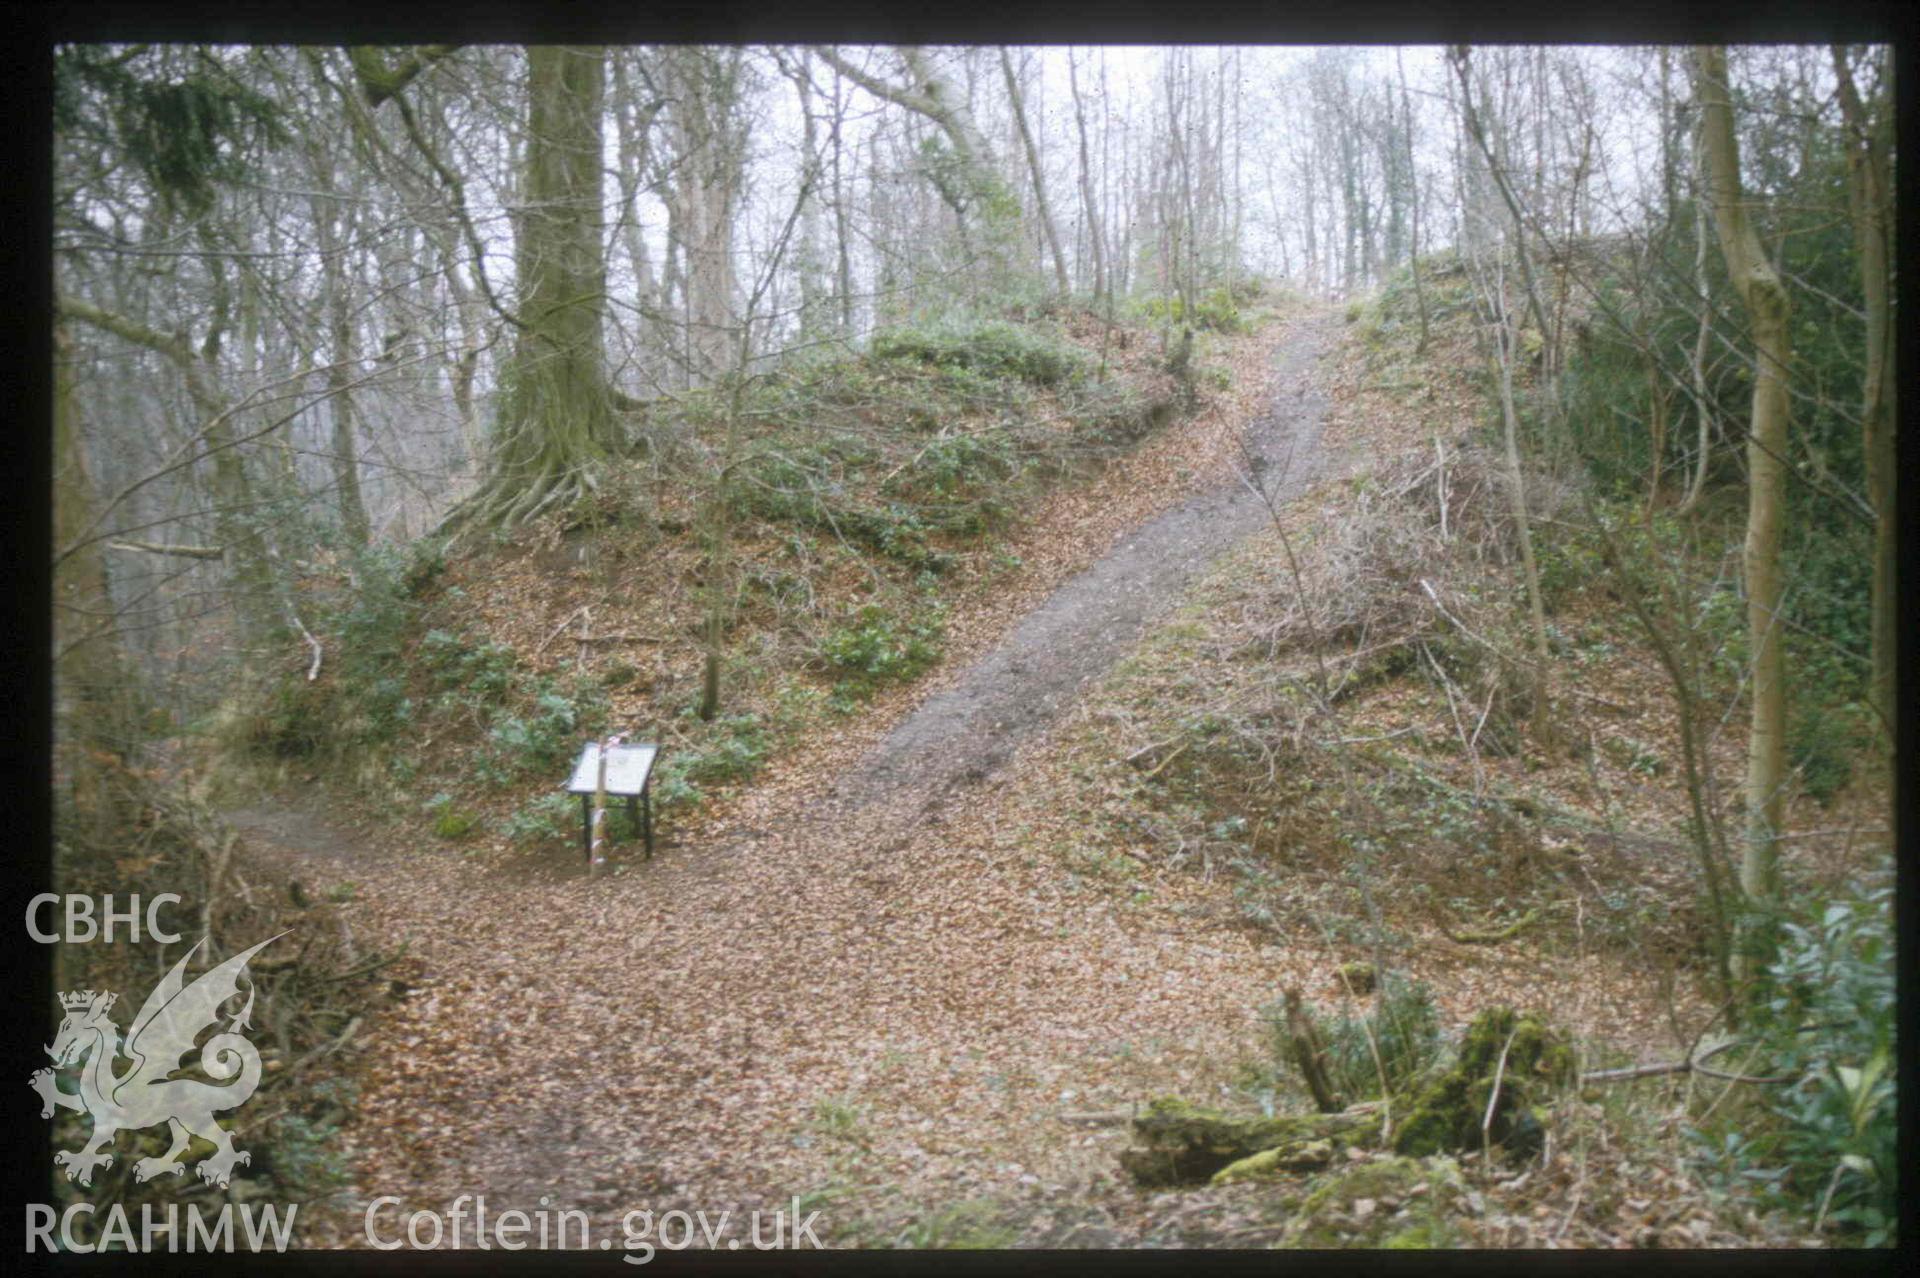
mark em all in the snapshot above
pixel 1422 519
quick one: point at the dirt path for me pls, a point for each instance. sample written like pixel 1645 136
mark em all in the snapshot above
pixel 860 993
pixel 969 729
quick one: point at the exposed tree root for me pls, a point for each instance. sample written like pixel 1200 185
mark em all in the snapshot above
pixel 505 501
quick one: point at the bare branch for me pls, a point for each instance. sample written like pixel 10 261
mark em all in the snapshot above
pixel 159 548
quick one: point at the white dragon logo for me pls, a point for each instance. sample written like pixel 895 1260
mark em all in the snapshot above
pixel 146 1094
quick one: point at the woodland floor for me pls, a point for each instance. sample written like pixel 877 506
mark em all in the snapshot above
pixel 865 978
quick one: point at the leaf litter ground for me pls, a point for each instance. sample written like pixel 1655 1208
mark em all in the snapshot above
pixel 896 969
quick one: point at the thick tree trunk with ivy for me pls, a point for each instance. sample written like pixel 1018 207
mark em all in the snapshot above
pixel 1765 301
pixel 556 419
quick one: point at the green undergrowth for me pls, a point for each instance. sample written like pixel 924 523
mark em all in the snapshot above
pixel 934 438
pixel 407 669
pixel 1220 310
pixel 874 647
pixel 1370 768
pixel 1459 810
pixel 1390 1038
pixel 861 492
pixel 1821 1148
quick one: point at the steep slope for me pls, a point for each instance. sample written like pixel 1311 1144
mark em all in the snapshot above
pixel 676 1033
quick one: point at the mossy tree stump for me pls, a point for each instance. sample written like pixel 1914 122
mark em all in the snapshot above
pixel 1449 1112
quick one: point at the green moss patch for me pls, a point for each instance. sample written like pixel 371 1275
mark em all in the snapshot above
pixel 1448 1112
pixel 1187 1143
pixel 1293 1157
pixel 1393 1202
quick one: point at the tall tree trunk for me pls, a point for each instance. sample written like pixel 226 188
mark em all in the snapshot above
pixel 1669 158
pixel 1090 205
pixel 354 525
pixel 842 220
pixel 810 264
pixel 251 581
pixel 673 288
pixel 237 521
pixel 1765 301
pixel 716 518
pixel 557 420
pixel 704 85
pixel 1507 339
pixel 92 692
pixel 1870 199
pixel 634 118
pixel 1181 219
pixel 1703 334
pixel 1311 267
pixel 1237 245
pixel 1413 206
pixel 1113 206
pixel 887 304
pixel 1045 208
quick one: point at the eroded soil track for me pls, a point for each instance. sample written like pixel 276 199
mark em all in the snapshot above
pixel 859 992
pixel 972 727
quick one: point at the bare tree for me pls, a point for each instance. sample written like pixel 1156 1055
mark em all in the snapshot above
pixel 1765 300
pixel 92 678
pixel 1413 202
pixel 333 225
pixel 1044 208
pixel 1869 143
pixel 1089 199
pixel 810 258
pixel 718 507
pixel 1491 281
pixel 704 88
pixel 965 172
pixel 557 414
pixel 238 534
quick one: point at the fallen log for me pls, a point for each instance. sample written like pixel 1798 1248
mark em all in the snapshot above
pixel 1186 1144
pixel 1493 936
pixel 1298 1156
pixel 1116 1119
